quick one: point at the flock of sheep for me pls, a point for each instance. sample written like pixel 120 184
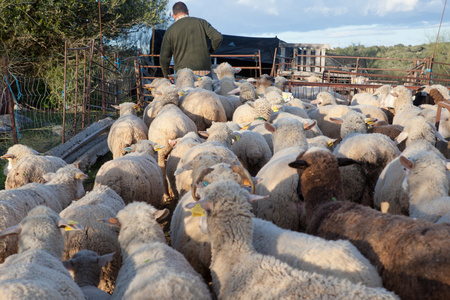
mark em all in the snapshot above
pixel 277 198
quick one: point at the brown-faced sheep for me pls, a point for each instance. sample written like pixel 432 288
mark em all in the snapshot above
pixel 412 256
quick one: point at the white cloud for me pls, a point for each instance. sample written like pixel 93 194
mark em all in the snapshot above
pixel 384 7
pixel 268 6
pixel 326 10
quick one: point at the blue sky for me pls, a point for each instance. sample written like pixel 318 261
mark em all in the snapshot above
pixel 339 23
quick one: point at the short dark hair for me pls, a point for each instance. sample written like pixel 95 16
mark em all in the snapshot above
pixel 179 7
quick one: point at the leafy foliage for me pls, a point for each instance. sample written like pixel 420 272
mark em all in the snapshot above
pixel 35 28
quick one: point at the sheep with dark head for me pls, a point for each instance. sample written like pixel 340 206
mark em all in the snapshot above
pixel 411 255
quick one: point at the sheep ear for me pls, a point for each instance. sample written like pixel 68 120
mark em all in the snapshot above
pixel 206 205
pixel 186 167
pixel 158 93
pixel 80 175
pixel 237 136
pixel 6 156
pixel 48 176
pixel 68 264
pixel 254 198
pixel 309 126
pixel 401 137
pixel 116 107
pixel 440 137
pixel 317 101
pixel 270 127
pixel 447 165
pixel 105 259
pixel 257 180
pixel 172 143
pixel 251 104
pixel 406 162
pixel 337 120
pixel 236 70
pixel 69 225
pixel 203 133
pixel 235 91
pixel 344 161
pixel 161 214
pixel 111 222
pixel 370 121
pixel 13 230
pixel 299 164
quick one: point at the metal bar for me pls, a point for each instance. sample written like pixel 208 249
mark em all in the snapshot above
pixel 83 117
pixel 10 101
pixel 64 98
pixel 76 93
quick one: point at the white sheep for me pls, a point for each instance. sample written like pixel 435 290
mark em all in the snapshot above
pixel 389 196
pixel 29 168
pixel 225 69
pixel 186 79
pixel 323 117
pixel 365 98
pixel 229 229
pixel 252 150
pixel 37 272
pixel 426 181
pixel 86 267
pixel 16 153
pixel 127 130
pixel 263 82
pixel 403 105
pixel 243 114
pixel 150 267
pixel 383 95
pixel 62 187
pixel 101 203
pixel 166 95
pixel 170 123
pixel 279 182
pixel 419 128
pixel 180 146
pixel 247 92
pixel 135 176
pixel 203 107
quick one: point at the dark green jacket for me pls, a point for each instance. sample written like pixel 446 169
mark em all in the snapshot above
pixel 186 40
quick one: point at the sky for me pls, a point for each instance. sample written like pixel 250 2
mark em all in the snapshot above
pixel 339 23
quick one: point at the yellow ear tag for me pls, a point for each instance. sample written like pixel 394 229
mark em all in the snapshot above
pixel 182 93
pixel 72 222
pixel 159 147
pixel 67 228
pixel 244 128
pixel 246 182
pixel 274 108
pixel 237 137
pixel 199 79
pixel 330 144
pixel 197 211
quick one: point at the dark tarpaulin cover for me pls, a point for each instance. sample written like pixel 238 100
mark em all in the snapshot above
pixel 233 45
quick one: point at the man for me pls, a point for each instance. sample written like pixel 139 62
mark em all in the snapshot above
pixel 186 40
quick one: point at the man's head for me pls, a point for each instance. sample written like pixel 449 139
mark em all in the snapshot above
pixel 179 9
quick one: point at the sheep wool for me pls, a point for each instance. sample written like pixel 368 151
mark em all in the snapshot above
pixel 62 187
pixel 101 203
pixel 411 255
pixel 15 153
pixel 127 130
pixel 135 176
pixel 37 272
pixel 229 229
pixel 86 267
pixel 150 267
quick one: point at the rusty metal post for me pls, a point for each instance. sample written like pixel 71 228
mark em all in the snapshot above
pixel 76 93
pixel 83 117
pixel 10 101
pixel 64 91
pixel 116 84
pixel 88 102
pixel 137 68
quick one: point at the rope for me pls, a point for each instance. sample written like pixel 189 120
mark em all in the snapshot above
pixel 19 95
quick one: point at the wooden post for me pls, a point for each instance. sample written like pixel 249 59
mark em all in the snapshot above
pixel 308 60
pixel 76 93
pixel 10 101
pixel 259 65
pixel 274 69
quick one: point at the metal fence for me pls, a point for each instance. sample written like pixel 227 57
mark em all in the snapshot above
pixel 43 113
